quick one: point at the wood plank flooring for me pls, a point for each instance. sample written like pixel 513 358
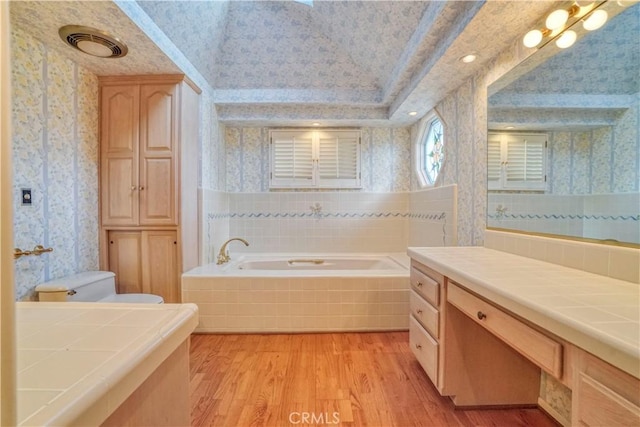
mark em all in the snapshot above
pixel 348 379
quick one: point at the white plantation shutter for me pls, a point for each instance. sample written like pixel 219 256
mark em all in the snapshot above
pixel 494 162
pixel 291 159
pixel 339 159
pixel 525 162
pixel 315 159
pixel 522 162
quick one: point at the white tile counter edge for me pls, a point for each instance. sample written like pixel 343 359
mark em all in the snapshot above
pixel 96 396
pixel 615 351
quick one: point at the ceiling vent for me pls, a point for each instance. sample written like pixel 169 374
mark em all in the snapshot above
pixel 93 42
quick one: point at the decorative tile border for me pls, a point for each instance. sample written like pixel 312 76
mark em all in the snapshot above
pixel 430 216
pixel 566 216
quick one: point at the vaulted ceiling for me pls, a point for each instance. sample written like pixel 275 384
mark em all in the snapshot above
pixel 285 63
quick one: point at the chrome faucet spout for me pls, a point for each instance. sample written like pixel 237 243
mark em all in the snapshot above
pixel 223 255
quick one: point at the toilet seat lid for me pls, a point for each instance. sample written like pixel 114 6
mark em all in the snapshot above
pixel 134 298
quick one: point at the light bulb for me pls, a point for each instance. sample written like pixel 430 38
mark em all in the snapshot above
pixel 567 39
pixel 557 19
pixel 468 58
pixel 413 113
pixel 532 38
pixel 595 20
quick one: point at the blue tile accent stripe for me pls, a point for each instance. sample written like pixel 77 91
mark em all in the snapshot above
pixel 566 216
pixel 430 216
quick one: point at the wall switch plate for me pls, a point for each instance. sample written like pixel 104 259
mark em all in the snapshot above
pixel 26 197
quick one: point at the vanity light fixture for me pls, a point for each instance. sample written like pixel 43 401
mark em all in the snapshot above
pixel 567 39
pixel 557 19
pixel 596 20
pixel 413 113
pixel 469 58
pixel 557 24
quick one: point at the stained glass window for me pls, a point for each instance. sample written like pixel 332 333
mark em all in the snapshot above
pixel 432 147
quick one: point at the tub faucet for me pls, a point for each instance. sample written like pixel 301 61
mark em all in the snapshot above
pixel 223 255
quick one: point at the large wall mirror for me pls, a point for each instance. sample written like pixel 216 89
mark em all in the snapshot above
pixel 564 137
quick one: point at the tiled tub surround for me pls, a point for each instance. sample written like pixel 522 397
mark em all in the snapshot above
pixel 319 222
pixel 328 221
pixel 237 301
pixel 77 362
pixel 598 314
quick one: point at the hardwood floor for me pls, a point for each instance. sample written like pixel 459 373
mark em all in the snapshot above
pixel 350 379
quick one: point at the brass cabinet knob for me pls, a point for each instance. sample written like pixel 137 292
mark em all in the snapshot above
pixel 419 311
pixel 481 315
pixel 133 188
pixel 141 188
pixel 418 346
pixel 419 284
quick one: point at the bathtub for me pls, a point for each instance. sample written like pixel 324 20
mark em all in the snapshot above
pixel 281 293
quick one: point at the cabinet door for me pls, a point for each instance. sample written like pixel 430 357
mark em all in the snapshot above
pixel 160 264
pixel 125 260
pixel 120 107
pixel 158 154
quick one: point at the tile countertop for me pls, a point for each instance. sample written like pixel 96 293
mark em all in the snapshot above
pixel 77 362
pixel 596 313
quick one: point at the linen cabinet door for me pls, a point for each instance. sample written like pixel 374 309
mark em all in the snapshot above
pixel 158 154
pixel 119 143
pixel 160 261
pixel 125 260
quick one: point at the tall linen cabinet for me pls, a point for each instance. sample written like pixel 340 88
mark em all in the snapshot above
pixel 148 181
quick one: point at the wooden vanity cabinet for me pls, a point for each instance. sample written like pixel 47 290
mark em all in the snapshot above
pixel 480 354
pixel 148 181
pixel 602 394
pixel 424 321
pixel 145 262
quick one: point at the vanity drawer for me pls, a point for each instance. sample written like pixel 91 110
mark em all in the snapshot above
pixel 424 313
pixel 540 349
pixel 425 348
pixel 427 287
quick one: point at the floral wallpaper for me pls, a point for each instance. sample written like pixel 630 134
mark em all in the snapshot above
pixel 55 154
pixel 385 161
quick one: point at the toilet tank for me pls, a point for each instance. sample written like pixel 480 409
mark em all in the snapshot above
pixel 83 287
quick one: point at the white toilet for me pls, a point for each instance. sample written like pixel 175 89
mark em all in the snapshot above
pixel 90 286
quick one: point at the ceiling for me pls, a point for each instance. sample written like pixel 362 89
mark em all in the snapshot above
pixel 288 63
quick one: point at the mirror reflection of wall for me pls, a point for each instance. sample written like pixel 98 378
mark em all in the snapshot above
pixel 586 100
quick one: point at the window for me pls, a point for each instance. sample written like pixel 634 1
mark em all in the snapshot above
pixel 305 158
pixel 516 161
pixel 431 151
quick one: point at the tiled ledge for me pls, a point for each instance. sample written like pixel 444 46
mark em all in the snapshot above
pixel 77 362
pixel 611 261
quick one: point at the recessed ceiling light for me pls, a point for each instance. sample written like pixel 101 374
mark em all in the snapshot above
pixel 468 58
pixel 316 124
pixel 413 113
pixel 510 127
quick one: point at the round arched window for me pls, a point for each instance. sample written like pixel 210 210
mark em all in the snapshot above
pixel 432 151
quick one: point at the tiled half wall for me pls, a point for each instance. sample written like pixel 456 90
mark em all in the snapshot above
pixel 328 221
